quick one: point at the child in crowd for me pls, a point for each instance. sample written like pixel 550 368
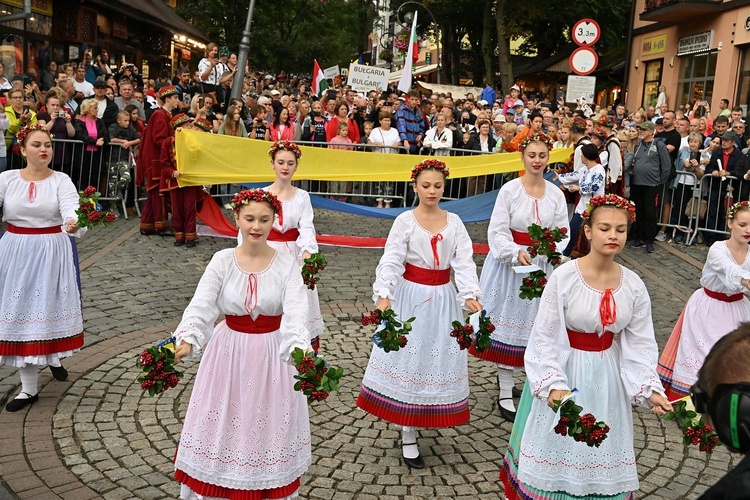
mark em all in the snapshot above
pixel 341 141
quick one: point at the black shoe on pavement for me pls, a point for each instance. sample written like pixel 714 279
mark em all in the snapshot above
pixel 413 463
pixel 179 243
pixel 649 247
pixel 59 372
pixel 20 403
pixel 508 415
pixel 190 243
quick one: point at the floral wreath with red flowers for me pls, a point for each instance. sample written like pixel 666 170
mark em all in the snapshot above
pixel 25 131
pixel 611 200
pixel 248 195
pixel 737 207
pixel 431 164
pixel 536 137
pixel 286 146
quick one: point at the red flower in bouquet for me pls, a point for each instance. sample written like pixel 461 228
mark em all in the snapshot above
pixel 464 334
pixel 393 335
pixel 545 244
pixel 467 337
pixel 695 431
pixel 157 364
pixel 582 428
pixel 315 379
pixel 88 214
pixel 311 268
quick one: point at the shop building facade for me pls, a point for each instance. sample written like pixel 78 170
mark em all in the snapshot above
pixel 698 50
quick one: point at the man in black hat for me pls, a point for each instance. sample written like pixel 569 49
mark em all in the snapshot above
pixel 107 109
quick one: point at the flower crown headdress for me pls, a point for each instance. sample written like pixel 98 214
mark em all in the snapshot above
pixel 578 125
pixel 430 164
pixel 536 137
pixel 611 200
pixel 286 146
pixel 24 132
pixel 260 195
pixel 737 207
pixel 178 120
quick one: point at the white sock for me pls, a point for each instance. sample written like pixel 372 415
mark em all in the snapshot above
pixel 29 376
pixel 505 381
pixel 409 435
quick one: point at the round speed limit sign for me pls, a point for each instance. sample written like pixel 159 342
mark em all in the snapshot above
pixel 586 32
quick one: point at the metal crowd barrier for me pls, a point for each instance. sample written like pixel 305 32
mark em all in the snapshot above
pixel 109 168
pixel 679 207
pixel 719 193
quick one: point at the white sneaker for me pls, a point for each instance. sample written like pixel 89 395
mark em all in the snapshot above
pixel 662 236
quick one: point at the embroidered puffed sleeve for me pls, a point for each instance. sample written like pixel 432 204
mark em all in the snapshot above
pixel 499 237
pixel 464 268
pixel 720 263
pixel 391 265
pixel 560 219
pixel 638 348
pixel 294 318
pixel 592 183
pixel 199 317
pixel 306 241
pixel 549 349
pixel 68 199
pixel 572 177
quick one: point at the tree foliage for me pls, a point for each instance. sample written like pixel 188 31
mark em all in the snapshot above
pixel 287 34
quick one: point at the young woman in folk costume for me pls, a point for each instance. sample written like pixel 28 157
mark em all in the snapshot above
pixel 247 431
pixel 713 310
pixel 294 232
pixel 426 383
pixel 40 296
pixel 593 332
pixel 520 203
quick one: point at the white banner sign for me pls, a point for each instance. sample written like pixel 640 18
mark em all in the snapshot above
pixel 365 78
pixel 580 86
pixel 332 72
pixel 699 42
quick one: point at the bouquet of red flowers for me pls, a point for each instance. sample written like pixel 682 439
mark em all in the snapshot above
pixel 695 431
pixel 312 266
pixel 89 213
pixel 466 337
pixel 391 334
pixel 582 428
pixel 315 378
pixel 157 363
pixel 545 244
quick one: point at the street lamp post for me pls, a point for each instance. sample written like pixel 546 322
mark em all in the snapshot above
pixel 239 76
pixel 437 29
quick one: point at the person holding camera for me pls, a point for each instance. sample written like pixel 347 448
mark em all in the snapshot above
pixel 210 70
pixel 259 127
pixel 19 115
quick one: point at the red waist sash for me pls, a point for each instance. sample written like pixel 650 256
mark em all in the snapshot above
pixel 32 230
pixel 590 341
pixel 521 238
pixel 433 277
pixel 246 324
pixel 290 235
pixel 723 296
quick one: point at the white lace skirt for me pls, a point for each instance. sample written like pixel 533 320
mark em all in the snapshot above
pixel 512 316
pixel 40 311
pixel 548 461
pixel 246 428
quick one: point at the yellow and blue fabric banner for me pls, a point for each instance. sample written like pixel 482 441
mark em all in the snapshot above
pixel 204 159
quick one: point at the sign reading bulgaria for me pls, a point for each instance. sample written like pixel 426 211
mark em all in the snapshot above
pixel 364 78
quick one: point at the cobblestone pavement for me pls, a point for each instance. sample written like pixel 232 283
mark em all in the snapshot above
pixel 97 436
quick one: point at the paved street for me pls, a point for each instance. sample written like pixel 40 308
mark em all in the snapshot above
pixel 97 436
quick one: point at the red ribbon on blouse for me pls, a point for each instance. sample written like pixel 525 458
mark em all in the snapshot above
pixel 251 297
pixel 32 192
pixel 433 243
pixel 608 309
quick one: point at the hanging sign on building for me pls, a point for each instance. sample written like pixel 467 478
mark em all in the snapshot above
pixel 654 45
pixel 693 44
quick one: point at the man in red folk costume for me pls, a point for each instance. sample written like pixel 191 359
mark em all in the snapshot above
pixel 184 199
pixel 148 171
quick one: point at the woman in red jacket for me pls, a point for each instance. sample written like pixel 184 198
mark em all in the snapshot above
pixel 342 112
pixel 282 129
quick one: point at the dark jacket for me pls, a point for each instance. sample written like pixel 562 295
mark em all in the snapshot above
pixel 110 112
pixel 733 166
pixel 82 134
pixel 476 145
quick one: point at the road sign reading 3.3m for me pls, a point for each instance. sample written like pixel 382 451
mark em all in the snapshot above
pixel 586 32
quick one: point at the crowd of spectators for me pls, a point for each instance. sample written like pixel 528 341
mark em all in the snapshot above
pixel 105 105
